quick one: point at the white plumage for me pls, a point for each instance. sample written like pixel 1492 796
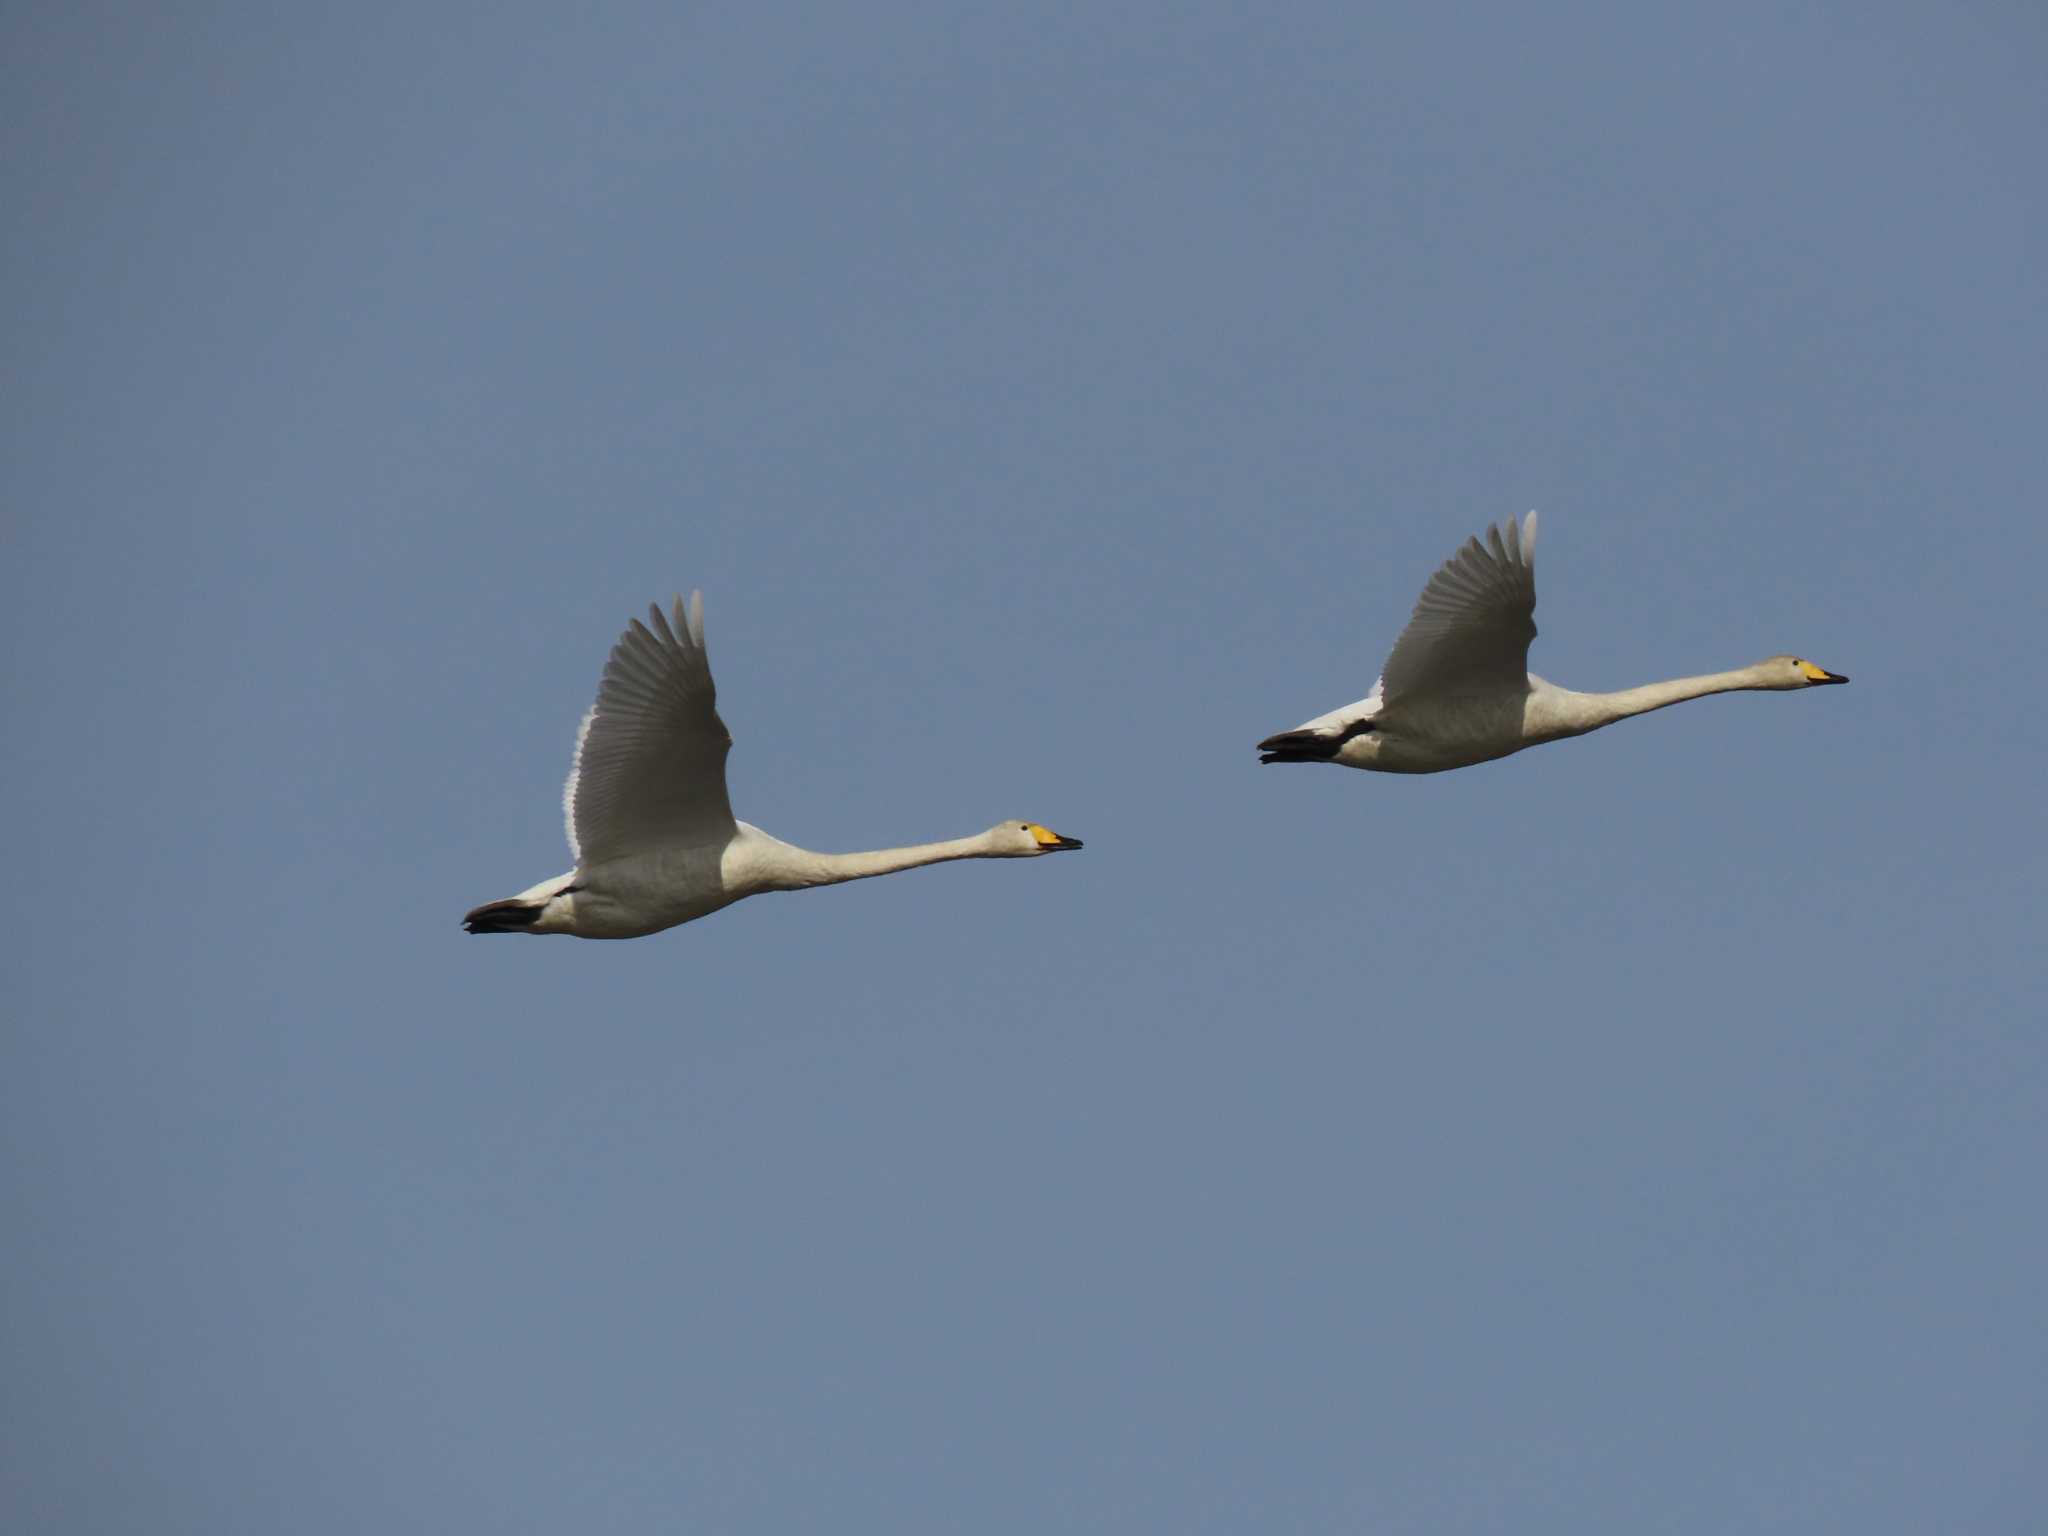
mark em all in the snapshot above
pixel 649 821
pixel 1457 688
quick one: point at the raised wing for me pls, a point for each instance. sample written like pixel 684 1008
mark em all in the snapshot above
pixel 650 756
pixel 1473 623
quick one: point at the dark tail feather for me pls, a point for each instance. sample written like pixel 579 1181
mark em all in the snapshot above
pixel 503 917
pixel 1299 747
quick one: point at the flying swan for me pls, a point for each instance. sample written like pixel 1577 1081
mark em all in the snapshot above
pixel 648 820
pixel 1458 690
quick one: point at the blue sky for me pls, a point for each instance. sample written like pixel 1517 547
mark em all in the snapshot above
pixel 1644 1133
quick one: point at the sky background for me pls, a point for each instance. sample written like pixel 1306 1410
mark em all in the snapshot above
pixel 1642 1134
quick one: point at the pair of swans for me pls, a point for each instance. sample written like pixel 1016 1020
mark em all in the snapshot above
pixel 656 843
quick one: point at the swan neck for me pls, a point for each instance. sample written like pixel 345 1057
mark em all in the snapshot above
pixel 807 867
pixel 1609 707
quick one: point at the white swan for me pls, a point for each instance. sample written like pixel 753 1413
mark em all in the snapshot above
pixel 649 823
pixel 1458 690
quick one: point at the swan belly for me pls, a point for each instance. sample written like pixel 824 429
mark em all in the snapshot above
pixel 629 898
pixel 1445 733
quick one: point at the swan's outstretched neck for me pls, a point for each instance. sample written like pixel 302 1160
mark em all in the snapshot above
pixel 1600 709
pixel 799 868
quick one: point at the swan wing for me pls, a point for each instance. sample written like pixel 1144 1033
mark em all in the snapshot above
pixel 1473 623
pixel 650 756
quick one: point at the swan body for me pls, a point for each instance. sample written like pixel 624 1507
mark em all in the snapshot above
pixel 1457 690
pixel 655 840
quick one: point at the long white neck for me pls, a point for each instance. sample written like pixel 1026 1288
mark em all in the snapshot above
pixel 1598 709
pixel 795 868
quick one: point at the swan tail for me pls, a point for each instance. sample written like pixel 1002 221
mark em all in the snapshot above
pixel 532 911
pixel 1300 747
pixel 517 915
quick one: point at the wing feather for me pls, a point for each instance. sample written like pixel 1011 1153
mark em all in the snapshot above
pixel 1473 623
pixel 649 769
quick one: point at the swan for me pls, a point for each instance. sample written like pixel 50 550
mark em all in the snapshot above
pixel 649 823
pixel 1457 688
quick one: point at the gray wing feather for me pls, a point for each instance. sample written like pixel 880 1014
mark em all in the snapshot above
pixel 1473 623
pixel 650 756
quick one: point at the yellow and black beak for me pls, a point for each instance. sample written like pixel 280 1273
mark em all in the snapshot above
pixel 1050 840
pixel 1820 674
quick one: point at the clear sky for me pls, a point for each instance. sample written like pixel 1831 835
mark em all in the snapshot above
pixel 1646 1133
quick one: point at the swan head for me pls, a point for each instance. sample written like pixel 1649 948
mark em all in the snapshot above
pixel 1025 840
pixel 1794 672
